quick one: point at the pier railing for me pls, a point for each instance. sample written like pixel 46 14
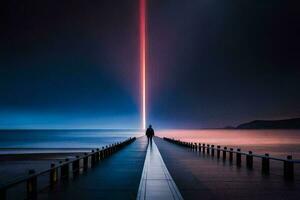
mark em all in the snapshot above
pixel 230 154
pixel 65 170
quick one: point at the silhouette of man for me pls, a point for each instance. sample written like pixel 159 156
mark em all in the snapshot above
pixel 150 133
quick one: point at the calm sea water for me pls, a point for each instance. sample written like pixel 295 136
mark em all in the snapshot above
pixel 61 140
pixel 279 143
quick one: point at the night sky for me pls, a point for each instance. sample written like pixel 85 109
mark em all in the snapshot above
pixel 211 63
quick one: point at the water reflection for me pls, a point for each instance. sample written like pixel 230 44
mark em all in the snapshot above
pixel 276 142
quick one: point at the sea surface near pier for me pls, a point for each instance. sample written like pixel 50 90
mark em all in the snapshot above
pixel 278 143
pixel 21 150
pixel 275 142
pixel 51 141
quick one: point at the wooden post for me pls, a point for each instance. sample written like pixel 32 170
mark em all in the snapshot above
pixel 238 158
pixel 110 148
pixel 249 160
pixel 115 147
pixel 208 149
pixel 212 150
pixel 288 168
pixel 53 174
pixel 103 153
pixel 93 158
pixel 64 170
pixel 265 164
pixel 97 155
pixel 32 185
pixel 231 155
pixel 75 166
pixel 3 193
pixel 106 151
pixel 218 151
pixel 85 162
pixel 224 153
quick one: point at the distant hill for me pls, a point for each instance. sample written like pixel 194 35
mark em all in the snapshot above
pixel 272 124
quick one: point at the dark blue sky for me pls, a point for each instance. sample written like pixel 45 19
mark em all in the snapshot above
pixel 75 64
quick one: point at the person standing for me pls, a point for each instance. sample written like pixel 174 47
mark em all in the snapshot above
pixel 150 133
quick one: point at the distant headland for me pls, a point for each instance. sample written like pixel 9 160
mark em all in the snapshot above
pixel 293 123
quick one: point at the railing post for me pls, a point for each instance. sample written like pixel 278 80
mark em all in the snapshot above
pixel 85 162
pixel 208 149
pixel 265 164
pixel 218 151
pixel 249 160
pixel 114 148
pixel 231 155
pixel 111 148
pixel 3 193
pixel 53 174
pixel 106 151
pixel 64 170
pixel 224 153
pixel 75 166
pixel 238 158
pixel 93 157
pixel 102 153
pixel 32 186
pixel 212 150
pixel 97 155
pixel 288 168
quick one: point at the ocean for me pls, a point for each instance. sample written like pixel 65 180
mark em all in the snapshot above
pixel 278 143
pixel 275 142
pixel 36 141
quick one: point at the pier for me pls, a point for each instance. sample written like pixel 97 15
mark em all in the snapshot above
pixel 162 169
pixel 209 173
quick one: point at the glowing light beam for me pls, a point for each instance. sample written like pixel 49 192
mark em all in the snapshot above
pixel 143 58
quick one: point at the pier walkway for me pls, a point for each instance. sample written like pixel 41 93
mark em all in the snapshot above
pixel 116 177
pixel 156 182
pixel 199 176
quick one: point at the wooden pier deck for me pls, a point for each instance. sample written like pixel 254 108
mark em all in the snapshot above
pixel 156 182
pixel 200 176
pixel 116 177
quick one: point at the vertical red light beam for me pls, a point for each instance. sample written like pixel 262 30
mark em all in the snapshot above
pixel 143 58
